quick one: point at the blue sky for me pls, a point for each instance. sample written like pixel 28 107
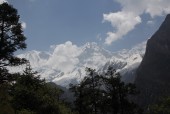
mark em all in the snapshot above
pixel 114 24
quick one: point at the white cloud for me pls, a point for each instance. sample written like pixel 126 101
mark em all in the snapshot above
pixel 123 22
pixel 24 25
pixel 129 16
pixel 2 1
pixel 64 57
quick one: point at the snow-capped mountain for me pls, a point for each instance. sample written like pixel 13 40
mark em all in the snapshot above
pixel 66 63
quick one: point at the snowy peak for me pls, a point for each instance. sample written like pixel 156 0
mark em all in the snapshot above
pixel 36 58
pixel 91 45
pixel 66 63
pixel 93 48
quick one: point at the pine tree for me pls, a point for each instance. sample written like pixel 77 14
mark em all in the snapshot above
pixel 11 40
pixel 81 93
pixel 32 94
pixel 11 36
pixel 93 84
pixel 26 90
pixel 104 93
pixel 117 93
pixel 87 93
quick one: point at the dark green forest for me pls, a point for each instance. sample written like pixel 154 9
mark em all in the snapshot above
pixel 27 93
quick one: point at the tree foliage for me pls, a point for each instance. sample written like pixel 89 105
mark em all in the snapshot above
pixel 104 94
pixel 163 107
pixel 11 40
pixel 116 94
pixel 33 94
pixel 11 36
pixel 87 93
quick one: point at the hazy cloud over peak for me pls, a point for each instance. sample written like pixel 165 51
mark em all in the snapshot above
pixel 64 56
pixel 129 16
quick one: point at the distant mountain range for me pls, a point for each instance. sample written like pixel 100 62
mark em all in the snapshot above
pixel 66 63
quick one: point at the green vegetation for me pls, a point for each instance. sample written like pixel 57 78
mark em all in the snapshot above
pixel 34 95
pixel 104 94
pixel 11 39
pixel 162 107
pixel 11 36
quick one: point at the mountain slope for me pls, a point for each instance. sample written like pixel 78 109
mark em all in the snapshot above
pixel 153 75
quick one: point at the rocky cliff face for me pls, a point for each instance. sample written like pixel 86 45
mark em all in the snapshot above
pixel 153 74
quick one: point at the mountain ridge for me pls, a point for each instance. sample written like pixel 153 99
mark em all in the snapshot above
pixel 53 65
